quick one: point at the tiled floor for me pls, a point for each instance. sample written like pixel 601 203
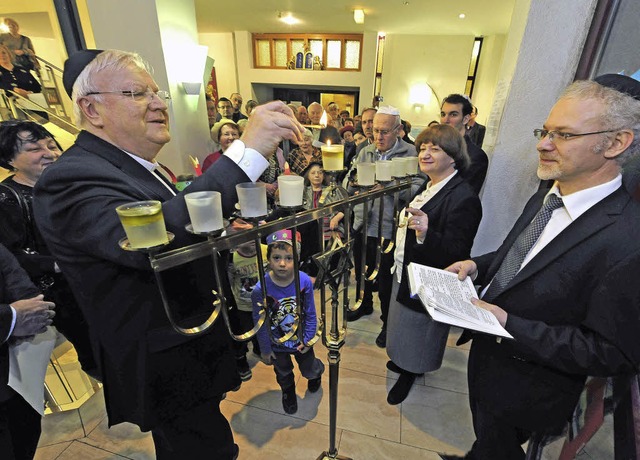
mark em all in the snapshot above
pixel 434 418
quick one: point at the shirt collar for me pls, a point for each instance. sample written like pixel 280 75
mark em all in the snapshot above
pixel 579 202
pixel 440 185
pixel 148 165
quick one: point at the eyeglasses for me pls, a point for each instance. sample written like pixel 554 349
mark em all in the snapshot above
pixel 138 96
pixel 542 133
pixel 384 132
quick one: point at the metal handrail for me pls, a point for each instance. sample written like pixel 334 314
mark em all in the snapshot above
pixel 10 97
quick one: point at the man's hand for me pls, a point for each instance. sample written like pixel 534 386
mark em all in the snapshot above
pixel 464 268
pixel 303 348
pixel 498 312
pixel 32 316
pixel 268 125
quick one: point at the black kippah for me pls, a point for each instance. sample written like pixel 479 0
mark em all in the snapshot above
pixel 74 66
pixel 620 83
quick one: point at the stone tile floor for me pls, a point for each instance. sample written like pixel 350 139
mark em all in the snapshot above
pixel 434 418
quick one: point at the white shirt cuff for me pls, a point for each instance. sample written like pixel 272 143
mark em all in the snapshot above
pixel 13 322
pixel 249 160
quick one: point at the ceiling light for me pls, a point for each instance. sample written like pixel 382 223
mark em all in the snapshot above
pixel 462 15
pixel 358 16
pixel 288 19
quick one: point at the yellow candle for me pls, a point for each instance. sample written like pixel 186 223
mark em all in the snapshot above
pixel 333 157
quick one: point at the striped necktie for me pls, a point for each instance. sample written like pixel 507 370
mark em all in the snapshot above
pixel 521 247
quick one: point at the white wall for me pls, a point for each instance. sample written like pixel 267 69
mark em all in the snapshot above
pixel 541 55
pixel 166 40
pixel 222 50
pixel 440 61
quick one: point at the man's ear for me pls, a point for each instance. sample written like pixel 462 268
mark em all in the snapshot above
pixel 620 143
pixel 466 119
pixel 90 111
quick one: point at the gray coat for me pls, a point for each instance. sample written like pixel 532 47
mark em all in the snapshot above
pixel 370 155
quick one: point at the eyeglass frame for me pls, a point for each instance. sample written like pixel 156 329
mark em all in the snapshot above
pixel 148 93
pixel 542 133
pixel 386 132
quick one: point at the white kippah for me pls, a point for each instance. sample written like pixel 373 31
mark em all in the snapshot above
pixel 389 110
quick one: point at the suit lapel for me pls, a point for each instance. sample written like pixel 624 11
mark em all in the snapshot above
pixel 140 177
pixel 601 215
pixel 439 196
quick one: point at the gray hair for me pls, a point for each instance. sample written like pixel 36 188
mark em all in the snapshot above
pixel 621 111
pixel 108 60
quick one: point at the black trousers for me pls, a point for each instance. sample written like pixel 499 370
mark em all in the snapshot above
pixel 19 429
pixel 201 432
pixel 384 280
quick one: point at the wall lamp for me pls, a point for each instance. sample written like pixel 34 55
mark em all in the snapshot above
pixel 192 88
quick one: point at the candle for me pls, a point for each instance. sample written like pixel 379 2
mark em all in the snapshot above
pixel 252 199
pixel 412 165
pixel 333 157
pixel 398 167
pixel 366 173
pixel 290 189
pixel 383 170
pixel 143 223
pixel 205 211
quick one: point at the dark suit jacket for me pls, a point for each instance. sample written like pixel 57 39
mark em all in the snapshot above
pixel 14 285
pixel 151 373
pixel 454 216
pixel 476 134
pixel 574 311
pixel 477 170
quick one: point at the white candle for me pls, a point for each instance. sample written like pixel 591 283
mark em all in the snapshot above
pixel 397 167
pixel 366 173
pixel 252 199
pixel 412 165
pixel 205 210
pixel 383 170
pixel 290 189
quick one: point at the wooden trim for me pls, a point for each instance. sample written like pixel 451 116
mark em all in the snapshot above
pixel 324 38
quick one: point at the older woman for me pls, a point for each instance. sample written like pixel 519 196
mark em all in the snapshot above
pixel 20 46
pixel 224 132
pixel 306 153
pixel 436 229
pixel 16 78
pixel 318 194
pixel 26 148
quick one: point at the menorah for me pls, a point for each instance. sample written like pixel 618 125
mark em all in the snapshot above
pixel 334 267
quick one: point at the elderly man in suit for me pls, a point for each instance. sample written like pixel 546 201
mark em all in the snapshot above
pixel 23 314
pixel 153 376
pixel 328 133
pixel 564 282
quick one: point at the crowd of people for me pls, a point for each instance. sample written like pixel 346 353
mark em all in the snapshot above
pixel 560 284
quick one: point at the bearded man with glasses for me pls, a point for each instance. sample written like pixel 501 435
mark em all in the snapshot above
pixel 564 282
pixel 154 377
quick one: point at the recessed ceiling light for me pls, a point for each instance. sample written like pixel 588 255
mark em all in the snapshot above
pixel 288 18
pixel 462 15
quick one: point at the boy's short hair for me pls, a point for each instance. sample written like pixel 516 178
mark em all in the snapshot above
pixel 281 246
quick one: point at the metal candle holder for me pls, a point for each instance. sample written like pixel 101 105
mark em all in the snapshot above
pixel 332 326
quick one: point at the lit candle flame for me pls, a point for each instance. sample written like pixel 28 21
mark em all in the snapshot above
pixel 328 142
pixel 323 119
